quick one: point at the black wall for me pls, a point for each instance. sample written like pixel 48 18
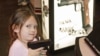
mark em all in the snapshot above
pixel 7 7
pixel 96 11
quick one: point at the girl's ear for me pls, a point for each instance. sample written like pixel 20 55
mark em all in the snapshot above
pixel 15 28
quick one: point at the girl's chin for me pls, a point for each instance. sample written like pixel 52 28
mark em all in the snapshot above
pixel 29 40
pixel 32 39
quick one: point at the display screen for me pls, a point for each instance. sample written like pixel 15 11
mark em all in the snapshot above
pixel 65 21
pixel 68 22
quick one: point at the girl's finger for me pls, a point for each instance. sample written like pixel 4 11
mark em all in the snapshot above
pixel 39 49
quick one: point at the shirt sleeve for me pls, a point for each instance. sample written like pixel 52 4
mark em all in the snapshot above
pixel 17 49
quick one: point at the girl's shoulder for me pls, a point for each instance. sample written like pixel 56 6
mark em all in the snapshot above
pixel 17 43
pixel 17 48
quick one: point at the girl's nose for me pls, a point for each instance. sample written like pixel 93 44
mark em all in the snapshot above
pixel 33 28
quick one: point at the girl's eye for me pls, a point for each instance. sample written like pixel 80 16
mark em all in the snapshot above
pixel 31 26
pixel 28 26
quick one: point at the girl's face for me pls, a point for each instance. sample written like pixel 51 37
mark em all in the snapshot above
pixel 28 31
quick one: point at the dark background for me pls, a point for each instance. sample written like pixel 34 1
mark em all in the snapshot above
pixel 7 7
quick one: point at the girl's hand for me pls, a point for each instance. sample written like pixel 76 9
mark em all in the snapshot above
pixel 43 53
pixel 37 52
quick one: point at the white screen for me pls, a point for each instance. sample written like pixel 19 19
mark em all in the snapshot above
pixel 67 24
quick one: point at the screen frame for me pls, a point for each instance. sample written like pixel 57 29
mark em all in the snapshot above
pixel 51 29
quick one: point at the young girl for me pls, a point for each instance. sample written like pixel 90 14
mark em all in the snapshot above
pixel 24 28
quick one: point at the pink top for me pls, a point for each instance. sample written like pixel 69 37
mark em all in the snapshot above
pixel 18 49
